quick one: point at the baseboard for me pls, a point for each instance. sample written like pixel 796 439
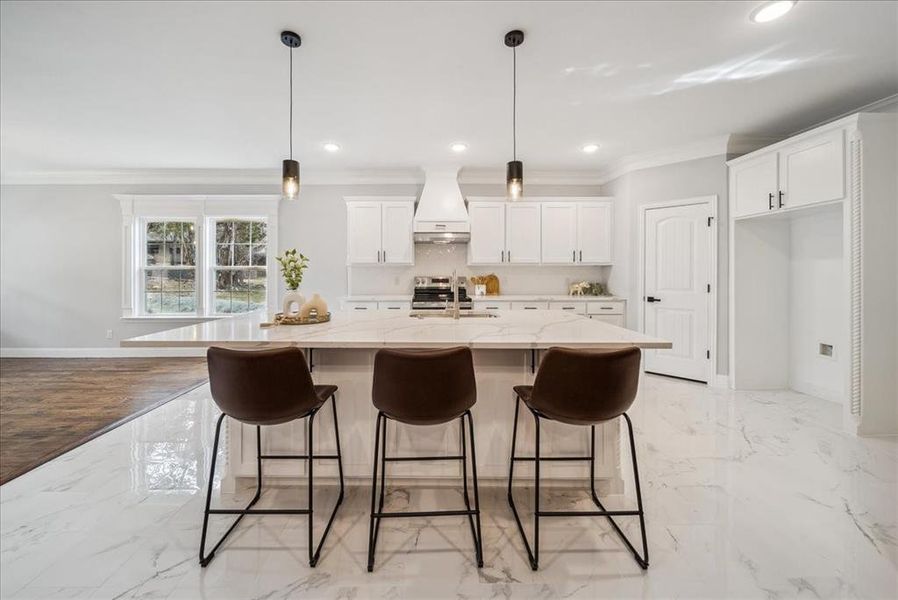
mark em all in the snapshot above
pixel 811 389
pixel 110 352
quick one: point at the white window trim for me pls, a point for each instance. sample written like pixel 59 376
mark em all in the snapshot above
pixel 202 210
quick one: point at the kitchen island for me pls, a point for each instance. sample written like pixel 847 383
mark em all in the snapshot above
pixel 506 347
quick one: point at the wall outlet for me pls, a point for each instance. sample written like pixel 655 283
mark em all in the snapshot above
pixel 826 350
pixel 108 334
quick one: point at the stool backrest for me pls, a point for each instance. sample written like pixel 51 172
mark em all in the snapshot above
pixel 586 386
pixel 261 386
pixel 424 387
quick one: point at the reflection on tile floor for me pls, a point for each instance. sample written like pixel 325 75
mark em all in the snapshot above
pixel 748 495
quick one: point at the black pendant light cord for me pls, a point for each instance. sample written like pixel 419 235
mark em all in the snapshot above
pixel 291 103
pixel 514 102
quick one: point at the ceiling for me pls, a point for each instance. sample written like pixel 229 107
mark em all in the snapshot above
pixel 203 85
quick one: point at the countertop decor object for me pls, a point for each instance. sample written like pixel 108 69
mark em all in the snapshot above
pixel 316 306
pixel 588 288
pixel 490 281
pixel 282 319
pixel 292 268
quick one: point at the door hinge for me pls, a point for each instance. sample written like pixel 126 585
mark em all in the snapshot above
pixel 709 288
pixel 708 354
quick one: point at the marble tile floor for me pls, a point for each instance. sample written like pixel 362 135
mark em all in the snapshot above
pixel 748 495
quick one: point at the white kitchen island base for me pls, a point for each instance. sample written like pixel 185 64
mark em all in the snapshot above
pixel 341 352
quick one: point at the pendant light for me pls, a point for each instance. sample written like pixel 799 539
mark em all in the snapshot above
pixel 514 173
pixel 290 173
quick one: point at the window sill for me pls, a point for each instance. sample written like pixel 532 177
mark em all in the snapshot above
pixel 172 318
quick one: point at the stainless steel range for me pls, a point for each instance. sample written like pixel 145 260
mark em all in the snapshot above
pixel 435 293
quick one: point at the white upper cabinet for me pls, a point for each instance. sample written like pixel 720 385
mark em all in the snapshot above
pixel 522 233
pixel 754 185
pixel 363 233
pixel 577 233
pixel 559 221
pixel 397 240
pixel 813 170
pixel 487 245
pixel 380 232
pixel 791 174
pixel 594 229
pixel 549 231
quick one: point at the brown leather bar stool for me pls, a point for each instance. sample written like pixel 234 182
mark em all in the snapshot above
pixel 424 387
pixel 268 387
pixel 585 388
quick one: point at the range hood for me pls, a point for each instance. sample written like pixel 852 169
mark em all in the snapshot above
pixel 441 216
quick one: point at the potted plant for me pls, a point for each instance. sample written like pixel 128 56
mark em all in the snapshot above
pixel 292 266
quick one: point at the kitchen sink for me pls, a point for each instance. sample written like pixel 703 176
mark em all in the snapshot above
pixel 464 314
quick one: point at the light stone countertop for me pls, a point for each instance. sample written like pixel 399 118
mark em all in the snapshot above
pixel 495 298
pixel 387 329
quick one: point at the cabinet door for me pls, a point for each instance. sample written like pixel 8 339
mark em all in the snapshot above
pixel 617 320
pixel 594 226
pixel 753 182
pixel 559 232
pixel 813 170
pixel 397 243
pixel 363 233
pixel 487 245
pixel 522 233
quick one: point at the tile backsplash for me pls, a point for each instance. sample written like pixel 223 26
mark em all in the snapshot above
pixel 434 259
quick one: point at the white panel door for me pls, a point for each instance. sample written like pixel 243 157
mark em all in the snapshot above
pixel 677 276
pixel 559 233
pixel 522 233
pixel 813 170
pixel 755 185
pixel 363 233
pixel 397 243
pixel 594 233
pixel 487 245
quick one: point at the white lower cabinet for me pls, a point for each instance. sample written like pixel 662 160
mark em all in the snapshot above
pixel 578 308
pixel 617 320
pixel 529 305
pixel 491 305
pixel 397 306
pixel 609 311
pixel 359 306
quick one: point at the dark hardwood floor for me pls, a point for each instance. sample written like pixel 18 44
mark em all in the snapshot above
pixel 49 406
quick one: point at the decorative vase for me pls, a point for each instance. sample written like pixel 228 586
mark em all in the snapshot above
pixel 292 298
pixel 317 304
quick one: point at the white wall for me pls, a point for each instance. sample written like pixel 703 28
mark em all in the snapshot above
pixel 60 255
pixel 817 305
pixel 688 179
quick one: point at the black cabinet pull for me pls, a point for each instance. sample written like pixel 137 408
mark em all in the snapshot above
pixel 652 299
pixel 770 201
pixel 780 199
pixel 581 256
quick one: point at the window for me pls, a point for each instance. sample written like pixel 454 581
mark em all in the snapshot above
pixel 191 256
pixel 169 267
pixel 240 270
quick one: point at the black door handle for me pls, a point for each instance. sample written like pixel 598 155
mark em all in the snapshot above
pixel 770 201
pixel 781 199
pixel 652 299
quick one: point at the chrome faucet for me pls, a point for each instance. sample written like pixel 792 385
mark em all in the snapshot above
pixel 456 312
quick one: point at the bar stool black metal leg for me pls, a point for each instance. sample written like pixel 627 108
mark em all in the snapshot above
pixel 534 564
pixel 530 555
pixel 311 464
pixel 642 561
pixel 314 558
pixel 205 559
pixel 371 530
pixel 478 537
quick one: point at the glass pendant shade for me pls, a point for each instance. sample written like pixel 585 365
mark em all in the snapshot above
pixel 514 180
pixel 290 184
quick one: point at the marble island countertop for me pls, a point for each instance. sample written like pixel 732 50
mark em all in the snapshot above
pixel 380 329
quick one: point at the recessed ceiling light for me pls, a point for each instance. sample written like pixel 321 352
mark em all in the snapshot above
pixel 589 148
pixel 458 147
pixel 772 10
pixel 331 147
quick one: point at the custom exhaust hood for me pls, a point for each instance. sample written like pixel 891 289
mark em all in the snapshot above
pixel 441 216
